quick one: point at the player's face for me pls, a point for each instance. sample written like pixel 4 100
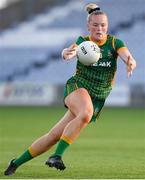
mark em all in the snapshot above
pixel 98 26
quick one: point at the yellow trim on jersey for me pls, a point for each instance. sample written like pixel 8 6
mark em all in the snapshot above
pixel 121 49
pixel 113 43
pixel 101 42
pixel 76 86
pixel 31 151
pixel 66 139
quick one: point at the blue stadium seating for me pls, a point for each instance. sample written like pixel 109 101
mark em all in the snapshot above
pixel 32 50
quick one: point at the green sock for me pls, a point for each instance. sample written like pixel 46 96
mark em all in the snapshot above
pixel 26 156
pixel 61 147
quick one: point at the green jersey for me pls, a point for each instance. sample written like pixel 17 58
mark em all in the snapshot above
pixel 98 78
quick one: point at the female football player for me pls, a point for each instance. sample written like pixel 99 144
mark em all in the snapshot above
pixel 85 92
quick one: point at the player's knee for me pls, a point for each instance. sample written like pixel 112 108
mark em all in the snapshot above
pixel 87 114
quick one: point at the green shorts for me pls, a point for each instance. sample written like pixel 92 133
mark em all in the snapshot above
pixel 98 104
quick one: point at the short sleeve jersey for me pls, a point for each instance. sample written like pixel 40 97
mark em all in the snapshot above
pixel 98 78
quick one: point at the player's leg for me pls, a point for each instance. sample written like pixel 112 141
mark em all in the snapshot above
pixel 41 145
pixel 45 142
pixel 80 104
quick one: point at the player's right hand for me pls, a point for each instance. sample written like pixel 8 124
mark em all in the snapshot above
pixel 69 53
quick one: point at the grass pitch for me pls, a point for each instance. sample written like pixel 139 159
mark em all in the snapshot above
pixel 112 148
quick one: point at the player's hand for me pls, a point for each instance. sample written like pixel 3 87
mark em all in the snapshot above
pixel 69 53
pixel 130 66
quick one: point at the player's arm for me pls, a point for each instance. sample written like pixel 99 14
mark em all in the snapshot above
pixel 130 62
pixel 126 56
pixel 69 53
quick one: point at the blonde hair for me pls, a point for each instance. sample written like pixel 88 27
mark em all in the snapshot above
pixel 90 6
pixel 93 8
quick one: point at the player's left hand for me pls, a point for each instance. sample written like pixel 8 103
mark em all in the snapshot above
pixel 130 66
